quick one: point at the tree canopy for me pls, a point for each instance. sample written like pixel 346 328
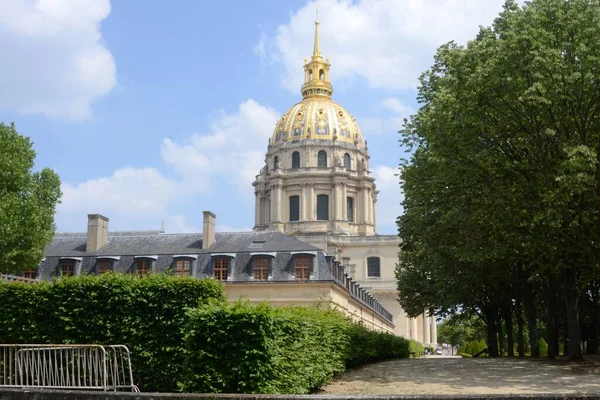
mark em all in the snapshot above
pixel 27 203
pixel 502 192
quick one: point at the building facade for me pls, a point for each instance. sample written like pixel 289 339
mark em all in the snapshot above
pixel 316 186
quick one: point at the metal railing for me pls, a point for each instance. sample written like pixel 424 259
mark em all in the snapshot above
pixel 65 366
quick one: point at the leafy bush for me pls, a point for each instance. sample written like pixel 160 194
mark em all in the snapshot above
pixel 146 314
pixel 543 347
pixel 415 347
pixel 245 348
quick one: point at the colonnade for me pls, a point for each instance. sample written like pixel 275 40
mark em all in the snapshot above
pixel 423 329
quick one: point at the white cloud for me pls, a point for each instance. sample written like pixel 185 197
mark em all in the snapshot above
pixel 53 60
pixel 392 123
pixel 389 198
pixel 387 42
pixel 233 150
pixel 130 192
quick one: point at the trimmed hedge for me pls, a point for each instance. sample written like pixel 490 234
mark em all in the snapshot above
pixel 146 314
pixel 245 348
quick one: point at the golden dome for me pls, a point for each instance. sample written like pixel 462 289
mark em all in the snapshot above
pixel 317 116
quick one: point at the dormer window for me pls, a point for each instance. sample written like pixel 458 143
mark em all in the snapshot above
pixel 221 268
pixel 142 266
pixel 261 268
pixel 104 266
pixel 182 266
pixel 30 273
pixel 302 267
pixel 67 268
pixel 347 161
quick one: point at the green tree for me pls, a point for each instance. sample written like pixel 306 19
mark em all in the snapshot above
pixel 27 203
pixel 505 175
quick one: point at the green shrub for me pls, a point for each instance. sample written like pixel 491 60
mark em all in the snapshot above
pixel 416 347
pixel 245 348
pixel 145 314
pixel 543 347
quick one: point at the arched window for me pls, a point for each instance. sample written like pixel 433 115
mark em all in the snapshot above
pixel 276 163
pixel 322 159
pixel 295 160
pixel 350 209
pixel 321 75
pixel 310 75
pixel 294 208
pixel 323 207
pixel 347 161
pixel 373 267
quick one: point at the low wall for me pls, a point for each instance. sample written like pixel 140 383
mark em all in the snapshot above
pixel 17 394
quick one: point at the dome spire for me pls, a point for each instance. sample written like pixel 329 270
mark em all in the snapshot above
pixel 316 71
pixel 317 48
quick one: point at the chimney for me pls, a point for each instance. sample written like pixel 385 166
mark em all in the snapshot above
pixel 208 229
pixel 97 233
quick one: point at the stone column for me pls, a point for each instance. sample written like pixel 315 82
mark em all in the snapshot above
pixel 337 214
pixel 303 203
pixel 276 202
pixel 311 203
pixel 426 337
pixel 344 202
pixel 414 330
pixel 257 208
pixel 370 201
pixel 365 205
pixel 433 330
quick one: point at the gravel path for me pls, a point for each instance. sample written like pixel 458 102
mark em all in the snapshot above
pixel 455 375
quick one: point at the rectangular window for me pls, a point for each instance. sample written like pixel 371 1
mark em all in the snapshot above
pixel 182 267
pixel 373 267
pixel 104 266
pixel 67 268
pixel 261 268
pixel 142 266
pixel 302 268
pixel 30 273
pixel 294 208
pixel 350 208
pixel 323 207
pixel 221 266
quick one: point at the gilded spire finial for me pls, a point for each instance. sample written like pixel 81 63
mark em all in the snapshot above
pixel 317 48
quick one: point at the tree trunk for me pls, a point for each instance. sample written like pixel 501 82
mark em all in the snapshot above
pixel 551 321
pixel 492 339
pixel 571 298
pixel 530 309
pixel 509 330
pixel 500 336
pixel 520 329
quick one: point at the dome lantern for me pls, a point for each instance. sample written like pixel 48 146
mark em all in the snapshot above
pixel 316 72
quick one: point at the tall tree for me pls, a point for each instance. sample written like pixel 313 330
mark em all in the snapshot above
pixel 27 203
pixel 513 117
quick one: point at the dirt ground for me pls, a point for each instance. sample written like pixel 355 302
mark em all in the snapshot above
pixel 455 375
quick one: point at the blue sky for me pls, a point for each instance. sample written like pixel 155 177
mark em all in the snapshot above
pixel 154 111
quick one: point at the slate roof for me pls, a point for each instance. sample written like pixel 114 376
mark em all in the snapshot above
pixel 142 243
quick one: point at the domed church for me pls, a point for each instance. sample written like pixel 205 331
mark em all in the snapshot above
pixel 316 186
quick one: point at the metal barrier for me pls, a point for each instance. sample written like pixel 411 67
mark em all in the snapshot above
pixel 65 366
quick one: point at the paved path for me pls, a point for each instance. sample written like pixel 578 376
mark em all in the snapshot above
pixel 455 375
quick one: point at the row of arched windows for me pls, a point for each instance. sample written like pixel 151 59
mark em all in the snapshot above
pixel 321 160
